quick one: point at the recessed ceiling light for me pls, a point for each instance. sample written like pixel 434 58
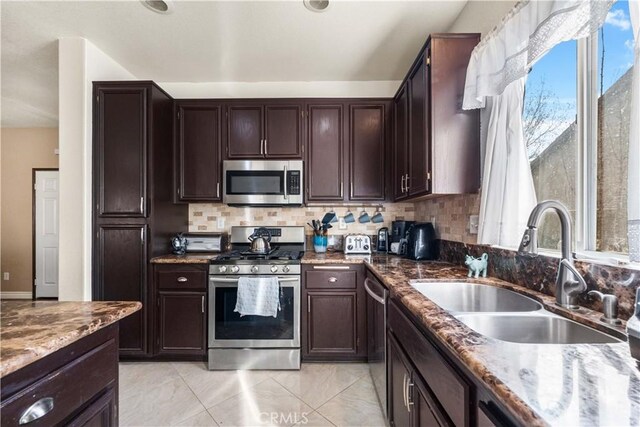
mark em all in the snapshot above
pixel 316 5
pixel 159 6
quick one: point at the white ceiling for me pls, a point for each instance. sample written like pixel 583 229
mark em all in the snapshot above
pixel 239 41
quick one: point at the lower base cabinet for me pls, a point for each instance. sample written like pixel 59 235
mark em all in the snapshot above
pixel 333 318
pixel 181 320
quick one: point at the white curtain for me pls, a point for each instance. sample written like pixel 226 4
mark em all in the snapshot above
pixel 528 32
pixel 634 142
pixel 497 71
pixel 508 195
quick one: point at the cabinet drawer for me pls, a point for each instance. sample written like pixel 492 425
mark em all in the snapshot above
pixel 451 390
pixel 66 389
pixel 331 278
pixel 191 279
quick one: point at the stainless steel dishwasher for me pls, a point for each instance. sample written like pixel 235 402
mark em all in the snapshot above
pixel 377 297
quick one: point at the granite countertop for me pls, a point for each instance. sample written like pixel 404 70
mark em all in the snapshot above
pixel 31 330
pixel 590 384
pixel 184 259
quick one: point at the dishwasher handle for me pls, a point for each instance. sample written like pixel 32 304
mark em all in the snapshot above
pixel 372 294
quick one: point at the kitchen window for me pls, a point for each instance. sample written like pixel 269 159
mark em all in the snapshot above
pixel 576 122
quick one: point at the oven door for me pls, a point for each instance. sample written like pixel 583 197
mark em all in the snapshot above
pixel 228 330
pixel 262 182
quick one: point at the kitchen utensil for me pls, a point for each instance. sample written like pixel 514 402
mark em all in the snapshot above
pixel 364 217
pixel 179 244
pixel 260 241
pixel 349 217
pixel 377 217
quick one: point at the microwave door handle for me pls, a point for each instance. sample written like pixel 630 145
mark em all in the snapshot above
pixel 285 183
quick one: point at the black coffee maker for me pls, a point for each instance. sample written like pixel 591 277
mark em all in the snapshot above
pixel 421 242
pixel 398 236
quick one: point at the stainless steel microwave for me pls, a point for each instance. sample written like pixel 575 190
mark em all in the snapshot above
pixel 262 182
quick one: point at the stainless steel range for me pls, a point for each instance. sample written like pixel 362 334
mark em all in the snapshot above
pixel 252 341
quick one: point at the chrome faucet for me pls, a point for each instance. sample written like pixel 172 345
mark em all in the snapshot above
pixel 569 282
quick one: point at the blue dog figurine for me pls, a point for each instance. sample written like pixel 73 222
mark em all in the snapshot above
pixel 477 266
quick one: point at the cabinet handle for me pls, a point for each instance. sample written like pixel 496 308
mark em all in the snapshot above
pixel 36 411
pixel 341 189
pixel 202 304
pixel 266 153
pixel 141 204
pixel 402 184
pixel 406 183
pixel 142 235
pixel 261 147
pixel 182 279
pixel 404 390
pixel 331 267
pixel 332 280
pixel 308 303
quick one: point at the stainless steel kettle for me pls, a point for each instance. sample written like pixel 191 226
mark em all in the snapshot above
pixel 260 241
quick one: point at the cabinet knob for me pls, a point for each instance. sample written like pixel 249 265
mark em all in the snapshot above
pixel 182 279
pixel 332 280
pixel 36 411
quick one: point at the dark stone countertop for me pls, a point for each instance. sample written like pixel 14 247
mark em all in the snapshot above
pixel 577 384
pixel 31 330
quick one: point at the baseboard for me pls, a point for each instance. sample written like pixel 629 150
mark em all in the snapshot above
pixel 16 295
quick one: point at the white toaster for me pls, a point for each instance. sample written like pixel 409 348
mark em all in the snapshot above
pixel 357 244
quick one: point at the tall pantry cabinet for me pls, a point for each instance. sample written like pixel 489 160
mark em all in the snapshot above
pixel 133 212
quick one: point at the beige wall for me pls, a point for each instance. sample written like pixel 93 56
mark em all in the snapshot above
pixel 22 150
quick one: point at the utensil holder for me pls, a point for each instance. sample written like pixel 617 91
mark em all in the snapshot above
pixel 320 244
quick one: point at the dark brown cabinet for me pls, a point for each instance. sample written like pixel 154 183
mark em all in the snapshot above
pixel 325 160
pixel 264 129
pixel 121 270
pixel 436 143
pixel 78 384
pixel 198 146
pixel 346 142
pixel 333 321
pixel 134 215
pixel 181 319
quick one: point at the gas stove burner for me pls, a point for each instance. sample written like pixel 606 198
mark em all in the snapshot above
pixel 274 254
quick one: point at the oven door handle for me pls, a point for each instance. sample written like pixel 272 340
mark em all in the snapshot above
pixel 372 294
pixel 234 280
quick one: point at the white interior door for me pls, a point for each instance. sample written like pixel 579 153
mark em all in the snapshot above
pixel 46 218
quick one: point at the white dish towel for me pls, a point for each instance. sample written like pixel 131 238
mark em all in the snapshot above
pixel 258 296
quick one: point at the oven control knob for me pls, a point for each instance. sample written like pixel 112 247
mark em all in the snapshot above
pixel 274 268
pixel 222 269
pixel 235 269
pixel 285 269
pixel 254 269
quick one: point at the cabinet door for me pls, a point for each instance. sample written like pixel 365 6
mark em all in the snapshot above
pixel 283 131
pixel 399 377
pixel 198 146
pixel 367 149
pixel 120 151
pixel 419 155
pixel 182 323
pixel 101 413
pixel 425 409
pixel 325 165
pixel 244 131
pixel 332 323
pixel 400 128
pixel 120 266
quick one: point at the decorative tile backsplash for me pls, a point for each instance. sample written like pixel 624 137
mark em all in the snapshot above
pixel 451 216
pixel 204 217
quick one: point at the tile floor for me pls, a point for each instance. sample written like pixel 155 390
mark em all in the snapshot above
pixel 187 394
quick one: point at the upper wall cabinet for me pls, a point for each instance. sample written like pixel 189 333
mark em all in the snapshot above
pixel 198 143
pixel 346 142
pixel 121 150
pixel 436 143
pixel 264 129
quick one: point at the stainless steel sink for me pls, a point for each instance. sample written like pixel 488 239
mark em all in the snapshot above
pixel 464 297
pixel 534 329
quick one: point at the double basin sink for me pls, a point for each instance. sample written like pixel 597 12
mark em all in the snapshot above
pixel 506 315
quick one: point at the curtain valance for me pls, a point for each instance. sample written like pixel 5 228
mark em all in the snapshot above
pixel 532 28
